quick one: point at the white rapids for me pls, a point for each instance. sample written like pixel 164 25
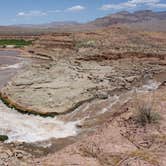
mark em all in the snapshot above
pixel 14 66
pixel 23 127
pixel 151 85
pixel 30 128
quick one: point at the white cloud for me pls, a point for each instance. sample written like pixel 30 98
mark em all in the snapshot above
pixel 76 8
pixel 143 1
pixel 37 13
pixel 54 11
pixel 20 14
pixel 159 5
pixel 134 4
pixel 117 6
pixel 34 13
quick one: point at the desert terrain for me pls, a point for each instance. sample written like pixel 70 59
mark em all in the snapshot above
pixel 89 97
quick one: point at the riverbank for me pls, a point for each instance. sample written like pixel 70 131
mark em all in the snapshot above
pixel 87 84
pixel 34 141
pixel 84 82
pixel 22 121
pixel 120 140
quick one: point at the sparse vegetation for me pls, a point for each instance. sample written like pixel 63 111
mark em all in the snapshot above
pixel 146 115
pixel 86 44
pixel 15 42
pixel 145 111
pixel 145 155
pixel 3 138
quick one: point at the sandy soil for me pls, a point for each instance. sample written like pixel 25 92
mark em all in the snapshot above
pixel 82 80
pixel 120 141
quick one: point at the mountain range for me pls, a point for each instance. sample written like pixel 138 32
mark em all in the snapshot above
pixel 145 19
pixel 123 17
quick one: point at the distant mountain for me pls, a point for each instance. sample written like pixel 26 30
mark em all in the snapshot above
pixel 48 25
pixel 125 17
pixel 140 20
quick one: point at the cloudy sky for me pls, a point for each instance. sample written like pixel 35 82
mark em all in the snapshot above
pixel 42 11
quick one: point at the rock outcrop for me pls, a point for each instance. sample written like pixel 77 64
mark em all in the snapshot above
pixel 84 66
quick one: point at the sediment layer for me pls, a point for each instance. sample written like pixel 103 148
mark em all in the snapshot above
pixel 93 65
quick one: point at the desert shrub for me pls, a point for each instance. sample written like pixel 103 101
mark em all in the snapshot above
pixel 16 42
pixel 3 138
pixel 86 44
pixel 146 115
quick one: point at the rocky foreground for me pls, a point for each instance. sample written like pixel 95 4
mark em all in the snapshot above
pixel 90 68
pixel 121 140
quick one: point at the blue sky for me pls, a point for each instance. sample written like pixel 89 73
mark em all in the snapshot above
pixel 43 11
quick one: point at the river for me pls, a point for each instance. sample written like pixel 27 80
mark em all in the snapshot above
pixel 22 127
pixel 32 128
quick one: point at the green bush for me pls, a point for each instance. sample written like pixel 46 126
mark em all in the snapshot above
pixel 15 42
pixel 3 138
pixel 86 44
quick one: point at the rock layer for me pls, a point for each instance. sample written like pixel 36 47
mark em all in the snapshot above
pixel 92 67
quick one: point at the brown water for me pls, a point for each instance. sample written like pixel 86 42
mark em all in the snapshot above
pixel 21 127
pixel 10 62
pixel 31 128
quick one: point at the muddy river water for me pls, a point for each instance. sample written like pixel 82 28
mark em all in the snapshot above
pixel 9 62
pixel 32 128
pixel 22 127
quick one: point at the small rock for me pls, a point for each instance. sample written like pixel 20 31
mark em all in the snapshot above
pixel 4 156
pixel 131 78
pixel 19 154
pixel 79 125
pixel 102 96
